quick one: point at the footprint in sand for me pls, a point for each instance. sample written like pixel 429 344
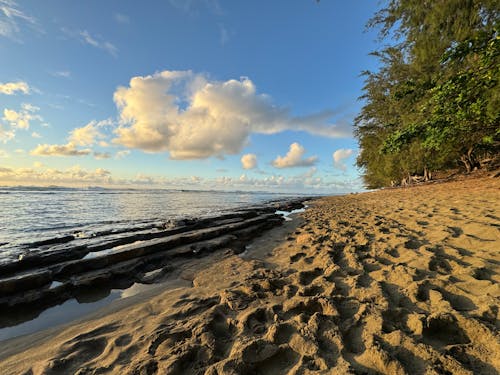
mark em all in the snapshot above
pixel 297 257
pixel 306 277
pixel 72 357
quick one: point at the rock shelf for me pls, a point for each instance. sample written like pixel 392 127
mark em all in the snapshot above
pixel 51 271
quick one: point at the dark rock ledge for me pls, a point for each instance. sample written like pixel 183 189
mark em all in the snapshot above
pixel 52 271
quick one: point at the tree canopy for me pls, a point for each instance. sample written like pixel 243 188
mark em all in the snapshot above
pixel 434 102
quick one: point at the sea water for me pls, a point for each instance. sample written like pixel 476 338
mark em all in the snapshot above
pixel 29 214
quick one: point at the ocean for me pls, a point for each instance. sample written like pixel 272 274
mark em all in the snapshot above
pixel 29 214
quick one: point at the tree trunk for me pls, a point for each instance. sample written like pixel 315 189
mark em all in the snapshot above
pixel 427 174
pixel 469 160
pixel 466 163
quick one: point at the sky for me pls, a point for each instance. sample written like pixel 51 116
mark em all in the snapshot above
pixel 192 94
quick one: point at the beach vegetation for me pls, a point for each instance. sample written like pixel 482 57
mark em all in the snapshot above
pixel 434 102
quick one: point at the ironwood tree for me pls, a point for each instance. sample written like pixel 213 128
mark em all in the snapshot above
pixel 434 103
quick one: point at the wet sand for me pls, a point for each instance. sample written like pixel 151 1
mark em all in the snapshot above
pixel 402 281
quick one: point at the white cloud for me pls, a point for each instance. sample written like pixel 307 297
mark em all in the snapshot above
pixel 59 150
pixel 96 41
pixel 21 119
pixel 87 38
pixel 121 18
pixel 11 19
pixel 339 155
pixel 310 172
pixel 294 158
pixel 85 102
pixel 62 73
pixel 223 34
pixel 302 182
pixel 36 135
pixel 88 134
pixel 29 107
pixel 73 175
pixel 11 88
pixel 122 154
pixel 102 44
pixel 249 161
pixel 193 118
pixel 6 134
pixel 76 175
pixel 84 136
pixel 142 179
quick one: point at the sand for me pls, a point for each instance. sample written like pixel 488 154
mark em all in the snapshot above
pixel 402 281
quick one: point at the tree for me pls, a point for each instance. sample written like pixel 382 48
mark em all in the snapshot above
pixel 435 98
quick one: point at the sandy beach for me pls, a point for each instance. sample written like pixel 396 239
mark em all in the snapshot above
pixel 397 281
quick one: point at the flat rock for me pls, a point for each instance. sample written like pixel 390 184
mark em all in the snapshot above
pixel 19 283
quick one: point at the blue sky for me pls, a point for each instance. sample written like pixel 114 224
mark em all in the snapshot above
pixel 247 95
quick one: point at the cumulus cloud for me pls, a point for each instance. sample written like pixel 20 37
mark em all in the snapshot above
pixel 88 134
pixel 73 175
pixel 15 118
pixel 301 182
pixel 339 155
pixel 194 118
pixel 21 119
pixel 59 150
pixel 11 88
pixel 84 136
pixel 36 135
pixel 294 158
pixel 76 175
pixel 249 161
pixel 12 19
pixel 6 134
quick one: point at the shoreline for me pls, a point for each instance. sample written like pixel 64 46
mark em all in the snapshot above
pixel 392 281
pixel 180 280
pixel 54 276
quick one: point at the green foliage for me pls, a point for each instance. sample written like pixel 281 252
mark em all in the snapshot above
pixel 436 98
